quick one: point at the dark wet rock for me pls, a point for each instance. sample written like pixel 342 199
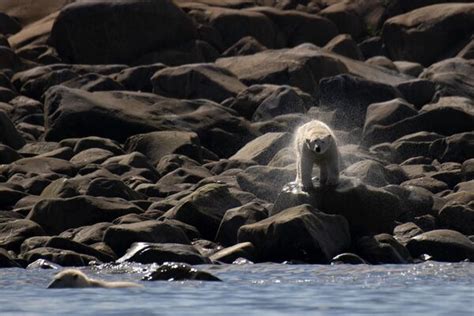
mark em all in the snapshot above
pixel 347 258
pixel 119 114
pixel 417 91
pixel 265 101
pixel 6 260
pixel 154 24
pixel 66 244
pixel 350 97
pixel 440 27
pixel 196 81
pixel 382 61
pixel 272 67
pixel 265 182
pixel 91 156
pixel 346 19
pixel 343 44
pixel 414 200
pixel 6 94
pixel 111 188
pixel 442 245
pixel 6 216
pixel 43 264
pixel 131 219
pixel 218 167
pixel 185 175
pixel 171 162
pixel 468 51
pixel 172 271
pixel 458 82
pixel 57 215
pixel 120 237
pixel 34 149
pixel 388 112
pixel 41 165
pixel 263 148
pixel 459 217
pixel 206 247
pixel 156 145
pixel 230 254
pixel 465 186
pixel 9 196
pixel 97 142
pixel 404 232
pixel 372 46
pixel 235 218
pixel 374 173
pixel 428 183
pixel 204 208
pixel 87 235
pixel 93 82
pixel 409 68
pixel 33 243
pixel 8 154
pixel 37 85
pixel 383 248
pixel 456 147
pixel 8 24
pixel 436 119
pixel 32 184
pixel 159 253
pixel 247 45
pixel 14 232
pixel 299 27
pixel 65 258
pixel 138 78
pixel 298 233
pixel 8 58
pixel 189 230
pixel 467 169
pixel 233 25
pixel 8 133
pixel 368 210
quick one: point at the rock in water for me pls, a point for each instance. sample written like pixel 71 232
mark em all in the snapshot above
pixel 172 271
pixel 368 210
pixel 298 233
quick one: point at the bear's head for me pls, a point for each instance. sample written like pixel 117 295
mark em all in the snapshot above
pixel 69 278
pixel 319 145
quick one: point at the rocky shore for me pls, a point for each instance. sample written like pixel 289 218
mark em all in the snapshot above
pixel 158 131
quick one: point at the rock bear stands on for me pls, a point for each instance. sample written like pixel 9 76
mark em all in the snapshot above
pixel 315 143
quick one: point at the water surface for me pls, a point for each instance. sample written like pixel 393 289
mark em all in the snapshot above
pixel 430 288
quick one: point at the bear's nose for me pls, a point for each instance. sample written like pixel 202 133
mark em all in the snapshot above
pixel 318 149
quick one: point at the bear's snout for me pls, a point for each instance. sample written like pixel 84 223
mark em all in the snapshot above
pixel 317 149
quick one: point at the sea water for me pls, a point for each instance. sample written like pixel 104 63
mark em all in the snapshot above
pixel 430 288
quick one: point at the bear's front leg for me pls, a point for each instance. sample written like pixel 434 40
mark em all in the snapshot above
pixel 306 170
pixel 332 173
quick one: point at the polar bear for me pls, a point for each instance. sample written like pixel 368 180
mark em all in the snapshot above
pixel 72 278
pixel 315 143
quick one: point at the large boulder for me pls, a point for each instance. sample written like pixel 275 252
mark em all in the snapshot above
pixel 156 145
pixel 442 245
pixel 368 210
pixel 40 165
pixel 120 237
pixel 92 32
pixel 453 75
pixel 14 232
pixel 196 81
pixel 204 208
pixel 439 27
pixel 9 135
pixel 350 96
pixel 159 253
pixel 62 257
pixel 233 219
pixel 119 114
pixel 438 119
pixel 298 233
pixel 263 148
pixel 57 215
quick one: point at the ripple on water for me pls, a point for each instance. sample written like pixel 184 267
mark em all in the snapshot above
pixel 254 289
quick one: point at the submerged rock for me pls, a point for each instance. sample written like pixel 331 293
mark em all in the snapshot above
pixel 173 271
